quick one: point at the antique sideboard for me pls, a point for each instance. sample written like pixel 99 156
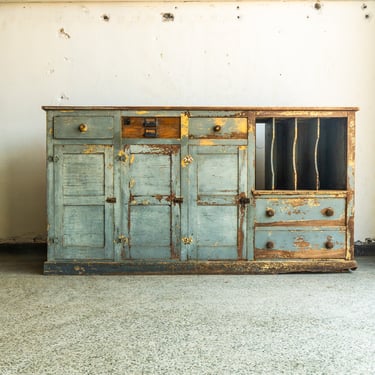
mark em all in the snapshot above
pixel 199 190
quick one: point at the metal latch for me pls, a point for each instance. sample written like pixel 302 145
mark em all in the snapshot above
pixel 150 126
pixel 111 200
pixel 178 200
pixel 244 200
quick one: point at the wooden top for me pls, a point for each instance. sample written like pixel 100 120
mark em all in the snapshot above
pixel 193 108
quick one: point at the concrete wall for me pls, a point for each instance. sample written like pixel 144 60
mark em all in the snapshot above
pixel 235 53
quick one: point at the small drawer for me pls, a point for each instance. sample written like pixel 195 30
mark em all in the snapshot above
pixel 218 127
pixel 83 127
pixel 151 127
pixel 287 210
pixel 277 242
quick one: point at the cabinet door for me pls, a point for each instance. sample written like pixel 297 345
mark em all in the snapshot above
pixel 83 213
pixel 151 208
pixel 217 219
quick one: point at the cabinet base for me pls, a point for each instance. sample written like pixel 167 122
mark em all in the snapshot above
pixel 196 267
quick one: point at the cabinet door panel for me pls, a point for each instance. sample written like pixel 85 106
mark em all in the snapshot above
pixel 217 220
pixel 151 218
pixel 84 219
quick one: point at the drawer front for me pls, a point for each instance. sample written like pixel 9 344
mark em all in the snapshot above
pixel 83 127
pixel 275 242
pixel 287 210
pixel 151 127
pixel 218 127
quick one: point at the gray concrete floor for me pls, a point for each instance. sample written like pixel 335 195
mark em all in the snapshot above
pixel 274 324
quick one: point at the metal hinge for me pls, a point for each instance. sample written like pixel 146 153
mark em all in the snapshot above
pixel 53 158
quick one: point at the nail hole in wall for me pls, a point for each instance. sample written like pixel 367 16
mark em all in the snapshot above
pixel 317 5
pixel 168 17
pixel 64 33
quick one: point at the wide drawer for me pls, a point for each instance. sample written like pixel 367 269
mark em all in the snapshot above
pixel 218 127
pixel 83 127
pixel 286 210
pixel 276 242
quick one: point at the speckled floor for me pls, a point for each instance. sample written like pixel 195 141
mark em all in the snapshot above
pixel 279 324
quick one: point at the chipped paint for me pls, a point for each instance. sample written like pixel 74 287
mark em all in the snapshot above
pixel 142 112
pixel 158 197
pixel 132 157
pixel 188 159
pixel 207 142
pixel 90 149
pixel 300 242
pixel 184 125
pixel 131 183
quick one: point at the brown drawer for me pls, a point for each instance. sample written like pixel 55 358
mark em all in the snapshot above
pixel 151 127
pixel 83 127
pixel 218 127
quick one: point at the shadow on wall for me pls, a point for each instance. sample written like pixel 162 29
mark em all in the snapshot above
pixel 24 200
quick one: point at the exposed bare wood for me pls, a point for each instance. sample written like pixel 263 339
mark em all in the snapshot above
pixel 217 267
pixel 260 111
pixel 302 254
pixel 167 127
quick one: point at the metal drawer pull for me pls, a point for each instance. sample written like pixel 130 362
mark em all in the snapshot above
pixel 329 211
pixel 329 245
pixel 83 128
pixel 270 245
pixel 150 126
pixel 217 128
pixel 270 212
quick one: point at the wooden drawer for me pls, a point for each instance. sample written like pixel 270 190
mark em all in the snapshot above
pixel 151 127
pixel 83 127
pixel 288 210
pixel 292 242
pixel 218 127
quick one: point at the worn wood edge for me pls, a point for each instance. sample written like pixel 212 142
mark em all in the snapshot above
pixel 196 108
pixel 201 268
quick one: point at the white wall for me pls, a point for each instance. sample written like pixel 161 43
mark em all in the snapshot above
pixel 239 53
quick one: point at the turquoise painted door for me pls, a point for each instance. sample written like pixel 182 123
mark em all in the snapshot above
pixel 84 202
pixel 151 205
pixel 218 206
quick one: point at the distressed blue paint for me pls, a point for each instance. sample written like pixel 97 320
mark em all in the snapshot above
pixel 85 168
pixel 83 220
pixel 298 239
pixel 67 127
pixel 299 209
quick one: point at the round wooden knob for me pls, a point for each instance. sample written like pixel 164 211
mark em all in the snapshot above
pixel 270 212
pixel 329 245
pixel 270 245
pixel 329 211
pixel 83 128
pixel 217 128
